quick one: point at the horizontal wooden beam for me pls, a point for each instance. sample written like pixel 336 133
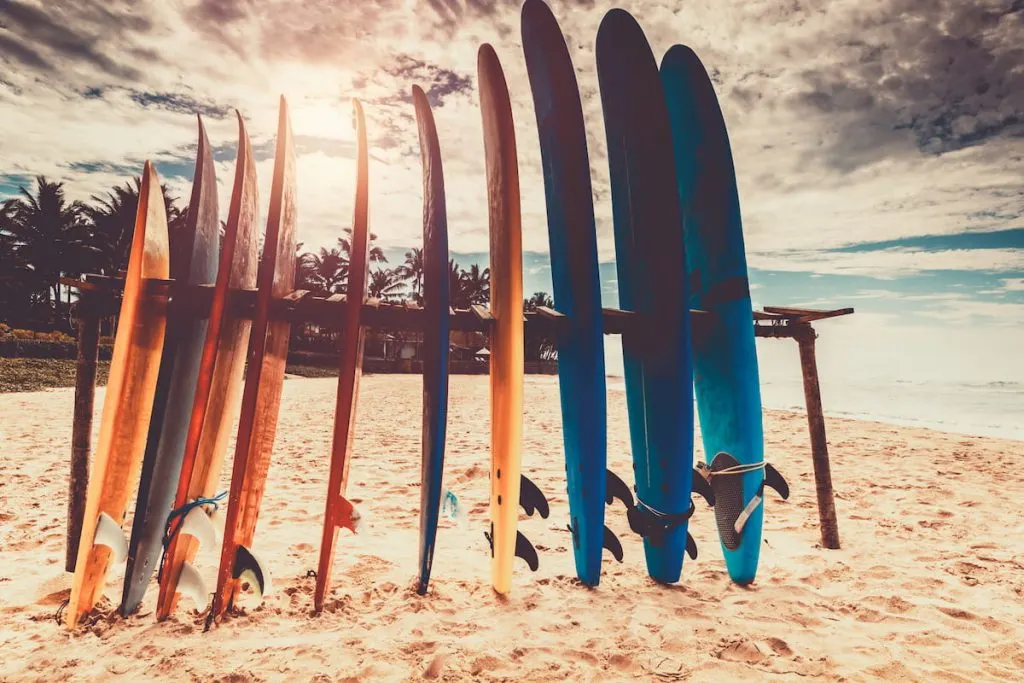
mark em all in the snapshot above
pixel 98 297
pixel 807 314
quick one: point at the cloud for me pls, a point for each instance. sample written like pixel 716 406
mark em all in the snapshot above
pixel 830 113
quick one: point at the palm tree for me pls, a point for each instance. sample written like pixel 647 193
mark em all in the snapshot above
pixel 328 270
pixel 477 284
pixel 457 292
pixel 305 271
pixel 385 284
pixel 112 219
pixel 538 299
pixel 345 244
pixel 538 346
pixel 412 269
pixel 48 235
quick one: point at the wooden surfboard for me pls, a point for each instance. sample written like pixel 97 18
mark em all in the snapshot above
pixel 435 334
pixel 339 511
pixel 127 404
pixel 506 336
pixel 194 252
pixel 261 396
pixel 219 385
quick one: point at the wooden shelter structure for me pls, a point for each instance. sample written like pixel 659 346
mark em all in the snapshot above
pixel 99 298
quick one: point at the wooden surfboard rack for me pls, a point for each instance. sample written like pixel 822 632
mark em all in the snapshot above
pixel 99 297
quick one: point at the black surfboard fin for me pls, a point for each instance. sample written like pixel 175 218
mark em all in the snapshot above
pixel 703 487
pixel 248 566
pixel 531 498
pixel 525 550
pixel 611 543
pixel 691 546
pixel 616 488
pixel 774 480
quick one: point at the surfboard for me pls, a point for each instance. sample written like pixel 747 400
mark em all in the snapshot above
pixel 339 512
pixel 264 377
pixel 127 402
pixel 572 237
pixel 216 396
pixel 194 253
pixel 435 335
pixel 509 487
pixel 652 280
pixel 724 357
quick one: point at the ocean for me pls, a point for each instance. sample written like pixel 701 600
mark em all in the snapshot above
pixel 899 394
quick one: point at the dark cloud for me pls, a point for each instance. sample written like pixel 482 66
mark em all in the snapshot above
pixel 68 33
pixel 1012 238
pixel 945 74
pixel 179 103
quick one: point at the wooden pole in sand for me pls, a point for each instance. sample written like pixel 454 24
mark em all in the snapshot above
pixel 81 435
pixel 805 337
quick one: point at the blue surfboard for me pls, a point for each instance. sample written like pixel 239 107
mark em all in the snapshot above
pixel 724 357
pixel 650 262
pixel 435 334
pixel 577 285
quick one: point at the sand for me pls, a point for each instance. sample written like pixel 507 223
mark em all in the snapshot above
pixel 929 584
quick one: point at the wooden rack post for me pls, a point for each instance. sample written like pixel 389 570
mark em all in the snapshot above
pixel 819 444
pixel 99 296
pixel 81 435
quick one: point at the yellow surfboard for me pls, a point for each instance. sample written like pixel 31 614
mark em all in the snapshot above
pixel 127 405
pixel 506 340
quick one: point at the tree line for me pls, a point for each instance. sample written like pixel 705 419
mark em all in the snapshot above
pixel 44 236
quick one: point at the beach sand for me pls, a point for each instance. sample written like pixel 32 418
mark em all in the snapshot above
pixel 929 584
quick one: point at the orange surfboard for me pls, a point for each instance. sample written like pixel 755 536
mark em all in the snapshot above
pixel 217 391
pixel 264 377
pixel 339 511
pixel 127 405
pixel 506 338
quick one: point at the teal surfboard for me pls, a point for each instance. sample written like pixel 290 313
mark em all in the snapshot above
pixel 724 358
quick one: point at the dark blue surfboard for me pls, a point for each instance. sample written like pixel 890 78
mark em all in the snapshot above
pixel 435 334
pixel 577 285
pixel 195 251
pixel 652 280
pixel 724 357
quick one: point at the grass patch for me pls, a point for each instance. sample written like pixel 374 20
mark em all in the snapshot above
pixel 35 374
pixel 311 371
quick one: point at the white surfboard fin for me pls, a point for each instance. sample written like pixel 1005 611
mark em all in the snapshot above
pixel 110 534
pixel 248 567
pixel 198 525
pixel 741 521
pixel 190 583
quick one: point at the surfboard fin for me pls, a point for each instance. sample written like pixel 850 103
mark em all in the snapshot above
pixel 110 534
pixel 531 498
pixel 349 516
pixel 616 488
pixel 691 546
pixel 702 486
pixel 191 584
pixel 611 543
pixel 773 479
pixel 525 550
pixel 198 525
pixel 249 567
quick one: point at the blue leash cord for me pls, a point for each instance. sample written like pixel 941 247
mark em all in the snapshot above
pixel 185 509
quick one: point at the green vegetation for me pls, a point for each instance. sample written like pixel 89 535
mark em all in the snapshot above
pixel 45 237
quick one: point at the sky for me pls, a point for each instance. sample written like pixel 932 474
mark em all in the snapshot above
pixel 878 143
